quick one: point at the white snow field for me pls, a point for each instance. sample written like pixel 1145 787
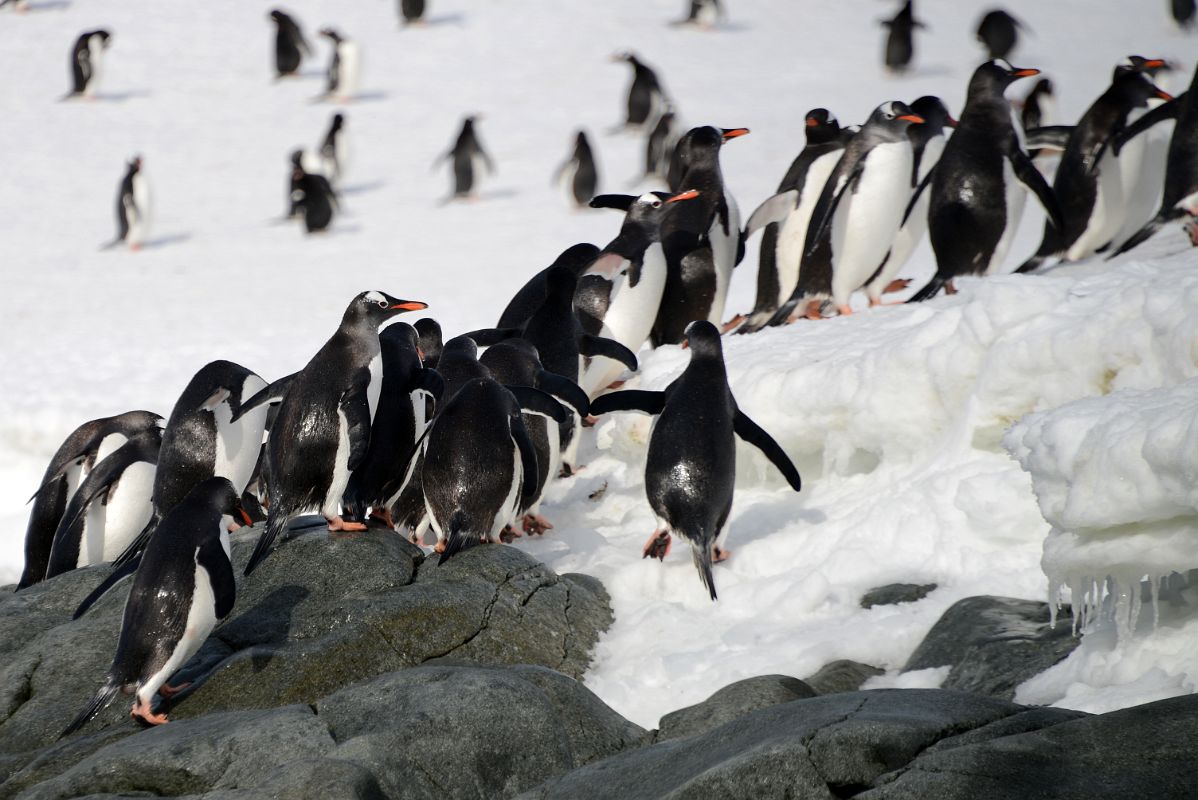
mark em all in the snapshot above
pixel 896 417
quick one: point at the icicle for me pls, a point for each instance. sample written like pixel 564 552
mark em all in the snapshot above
pixel 1157 583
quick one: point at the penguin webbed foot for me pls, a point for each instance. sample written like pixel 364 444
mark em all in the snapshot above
pixel 509 534
pixel 719 554
pixel 338 524
pixel 658 546
pixel 142 711
pixel 383 515
pixel 535 524
pixel 569 470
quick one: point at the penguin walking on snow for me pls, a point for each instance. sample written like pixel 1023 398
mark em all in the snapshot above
pixel 87 58
pixel 411 12
pixel 998 32
pixel 646 97
pixel 578 176
pixel 900 46
pixel 978 185
pixel 133 207
pixel 182 589
pixel 469 160
pixel 70 465
pixel 689 478
pixel 313 196
pixel 702 13
pixel 659 147
pixel 344 66
pixel 701 239
pixel 322 430
pixel 783 218
pixel 334 150
pixel 290 44
pixel 1038 107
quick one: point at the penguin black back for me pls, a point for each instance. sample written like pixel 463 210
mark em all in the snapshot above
pixel 290 44
pixel 900 47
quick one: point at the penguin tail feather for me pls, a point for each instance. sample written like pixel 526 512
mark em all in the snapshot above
pixel 102 698
pixel 701 553
pixel 276 523
pixel 928 292
pixel 457 539
pixel 1139 237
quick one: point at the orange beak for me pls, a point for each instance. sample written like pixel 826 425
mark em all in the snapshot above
pixel 952 123
pixel 812 122
pixel 689 194
pixel 1154 63
pixel 1025 73
pixel 249 522
pixel 912 118
pixel 1162 94
pixel 734 132
pixel 411 305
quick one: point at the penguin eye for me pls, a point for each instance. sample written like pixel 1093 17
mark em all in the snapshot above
pixel 656 204
pixel 382 304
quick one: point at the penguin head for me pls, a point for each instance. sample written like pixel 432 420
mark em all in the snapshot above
pixel 627 56
pixel 1135 88
pixel 701 146
pixel 134 164
pixel 429 341
pixel 1042 88
pixel 401 334
pixel 577 257
pixel 651 207
pixel 297 160
pixel 703 339
pixel 278 16
pixel 934 112
pixel 105 37
pixel 375 307
pixel 218 493
pixel 338 121
pixel 994 76
pixel 890 121
pixel 332 35
pixel 821 126
pixel 1148 66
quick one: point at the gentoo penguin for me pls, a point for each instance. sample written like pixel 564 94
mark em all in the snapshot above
pixel 578 176
pixel 703 13
pixel 133 207
pixel 1142 161
pixel 998 32
pixel 480 467
pixel 1180 196
pixel 397 426
pixel 689 478
pixel 927 143
pixel 1088 182
pixel 646 97
pixel 660 146
pixel 290 45
pixel 87 57
pixel 469 160
pixel 313 195
pixel 411 12
pixel 334 150
pixel 701 239
pixel 859 211
pixel 619 293
pixel 322 430
pixel 428 331
pixel 344 67
pixel 183 587
pixel 977 198
pixel 110 508
pixel 71 463
pixel 1183 13
pixel 1039 106
pixel 531 295
pixel 899 45
pixel 515 362
pixel 783 218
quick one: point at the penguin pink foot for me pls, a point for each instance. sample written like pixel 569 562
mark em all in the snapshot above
pixel 896 285
pixel 1191 228
pixel 168 691
pixel 732 323
pixel 535 524
pixel 383 516
pixel 658 546
pixel 141 710
pixel 509 534
pixel 844 311
pixel 719 554
pixel 813 310
pixel 339 524
pixel 440 546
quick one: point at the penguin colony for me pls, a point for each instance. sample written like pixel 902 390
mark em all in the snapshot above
pixel 392 423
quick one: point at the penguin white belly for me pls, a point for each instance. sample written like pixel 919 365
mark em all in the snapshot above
pixel 1014 196
pixel 506 514
pixel 95 58
pixel 723 252
pixel 866 221
pixel 629 318
pixel 238 443
pixel 73 476
pixel 1106 217
pixel 331 506
pixel 349 69
pixel 108 445
pixel 1145 184
pixel 127 511
pixel 91 539
pixel 138 211
pixel 709 13
pixel 201 620
pixel 565 181
pixel 793 234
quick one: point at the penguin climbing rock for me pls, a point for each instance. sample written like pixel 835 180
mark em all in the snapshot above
pixel 290 45
pixel 701 239
pixel 578 176
pixel 531 295
pixel 998 32
pixel 618 295
pixel 87 58
pixel 70 465
pixel 322 430
pixel 646 97
pixel 689 478
pixel 111 507
pixel 469 160
pixel 900 46
pixel 978 184
pixel 334 150
pixel 411 12
pixel 702 13
pixel 659 147
pixel 133 207
pixel 344 73
pixel 183 587
pixel 314 197
pixel 1088 183
pixel 783 218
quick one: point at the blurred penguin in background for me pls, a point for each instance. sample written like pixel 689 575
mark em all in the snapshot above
pixel 469 160
pixel 344 71
pixel 999 33
pixel 313 197
pixel 578 176
pixel 19 6
pixel 900 47
pixel 646 98
pixel 87 57
pixel 290 45
pixel 703 14
pixel 411 12
pixel 133 207
pixel 659 147
pixel 334 150
pixel 1183 13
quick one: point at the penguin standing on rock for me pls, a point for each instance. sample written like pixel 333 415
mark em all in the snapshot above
pixel 469 160
pixel 322 430
pixel 132 207
pixel 646 98
pixel 87 57
pixel 689 478
pixel 998 32
pixel 900 46
pixel 182 588
pixel 290 45
pixel 578 176
pixel 313 196
pixel 978 186
pixel 344 66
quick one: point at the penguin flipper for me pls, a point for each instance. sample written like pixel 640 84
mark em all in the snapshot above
pixel 589 345
pixel 124 571
pixel 212 558
pixel 271 395
pixel 929 291
pixel 776 209
pixel 1161 113
pixel 356 407
pixel 485 337
pixel 755 435
pixel 1142 235
pixel 642 400
pixel 825 209
pixel 1053 136
pixel 530 485
pixel 923 185
pixel 1029 176
pixel 535 401
pixel 621 202
pixel 102 698
pixel 565 390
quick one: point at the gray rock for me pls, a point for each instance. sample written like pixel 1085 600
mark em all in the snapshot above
pixel 841 676
pixel 993 644
pixel 734 700
pixel 895 593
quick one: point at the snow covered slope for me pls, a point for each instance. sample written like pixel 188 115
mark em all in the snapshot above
pixel 895 416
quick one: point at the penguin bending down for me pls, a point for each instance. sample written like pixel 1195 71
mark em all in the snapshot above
pixel 290 45
pixel 701 239
pixel 70 465
pixel 858 212
pixel 322 430
pixel 783 218
pixel 132 207
pixel 900 46
pixel 578 176
pixel 532 294
pixel 689 479
pixel 411 12
pixel 334 150
pixel 183 587
pixel 344 67
pixel 998 32
pixel 977 198
pixel 618 295
pixel 1089 181
pixel 111 507
pixel 469 160
pixel 87 57
pixel 313 195
pixel 646 98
